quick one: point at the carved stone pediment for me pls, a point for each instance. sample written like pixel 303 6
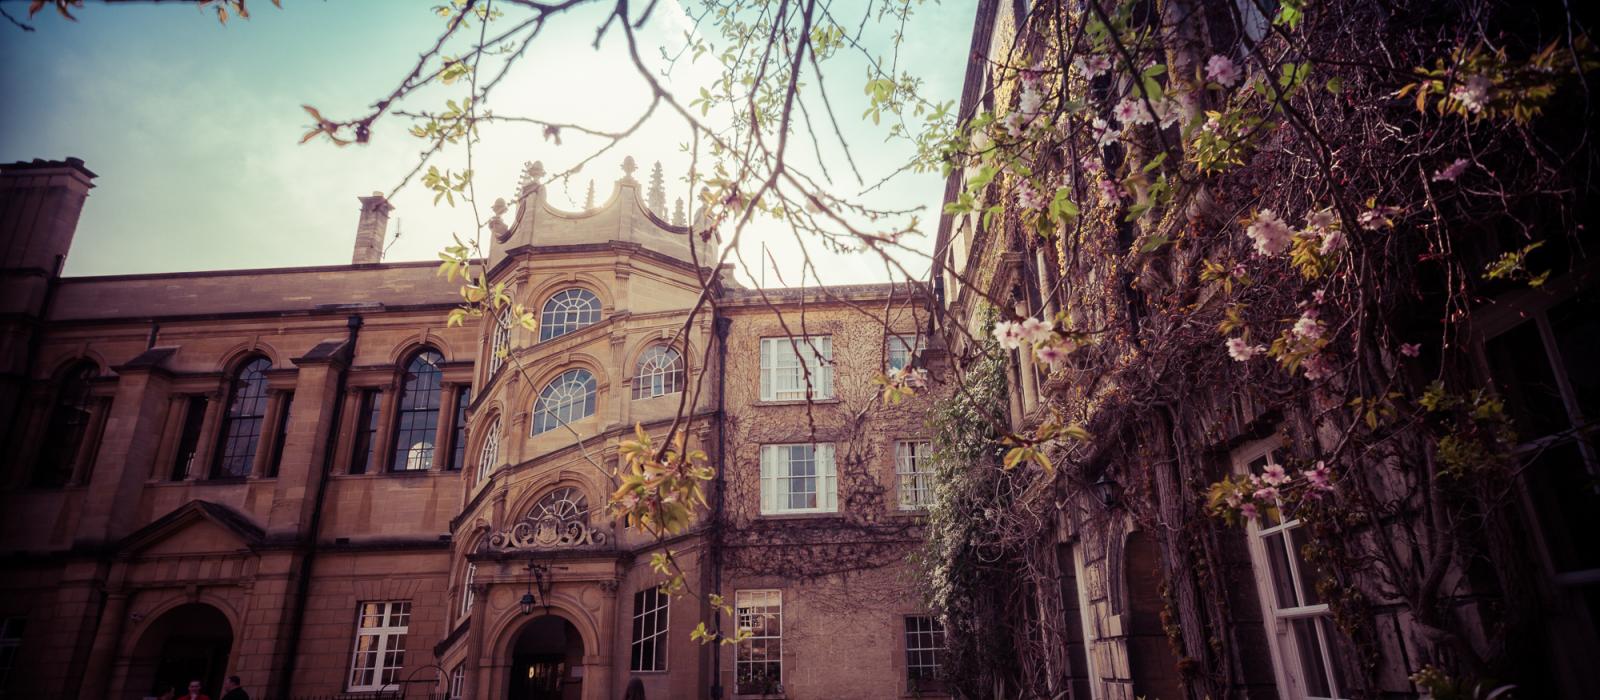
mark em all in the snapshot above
pixel 548 532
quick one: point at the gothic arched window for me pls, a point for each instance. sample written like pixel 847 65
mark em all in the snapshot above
pixel 567 311
pixel 489 454
pixel 565 399
pixel 660 373
pixel 69 427
pixel 500 342
pixel 417 413
pixel 565 504
pixel 241 426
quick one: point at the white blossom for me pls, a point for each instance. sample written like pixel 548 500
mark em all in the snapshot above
pixel 1269 233
pixel 1008 334
pixel 1241 350
pixel 1452 171
pixel 1133 111
pixel 1221 70
pixel 1036 331
pixel 1308 327
pixel 1473 93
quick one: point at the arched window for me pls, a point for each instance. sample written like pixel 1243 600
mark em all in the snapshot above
pixel 500 342
pixel 565 504
pixel 489 454
pixel 417 418
pixel 567 311
pixel 241 426
pixel 660 373
pixel 568 398
pixel 69 427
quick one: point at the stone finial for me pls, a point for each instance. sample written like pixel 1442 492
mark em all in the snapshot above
pixel 588 199
pixel 628 166
pixel 532 175
pixel 677 214
pixel 656 197
pixel 497 226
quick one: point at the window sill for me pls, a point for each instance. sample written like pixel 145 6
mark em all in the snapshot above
pixel 804 515
pixel 797 402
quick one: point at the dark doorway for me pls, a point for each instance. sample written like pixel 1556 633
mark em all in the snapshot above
pixel 187 643
pixel 1150 659
pixel 547 661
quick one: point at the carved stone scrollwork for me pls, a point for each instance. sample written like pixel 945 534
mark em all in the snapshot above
pixel 548 532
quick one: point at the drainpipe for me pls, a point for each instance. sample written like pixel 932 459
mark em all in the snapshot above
pixel 297 620
pixel 722 325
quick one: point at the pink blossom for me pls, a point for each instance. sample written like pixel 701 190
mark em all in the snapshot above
pixel 1008 334
pixel 1317 368
pixel 1411 349
pixel 1092 66
pixel 1321 221
pixel 1274 475
pixel 1132 110
pixel 1318 477
pixel 1030 198
pixel 1269 493
pixel 1232 499
pixel 1014 124
pixel 1452 171
pixel 1035 330
pixel 1221 70
pixel 981 141
pixel 1031 99
pixel 1104 135
pixel 1319 296
pixel 1270 234
pixel 1248 510
pixel 1241 350
pixel 1051 354
pixel 1473 93
pixel 1332 242
pixel 1109 190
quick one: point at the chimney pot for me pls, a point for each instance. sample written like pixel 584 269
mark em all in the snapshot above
pixel 372 229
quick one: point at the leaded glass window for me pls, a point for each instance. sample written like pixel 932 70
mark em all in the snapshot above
pixel 501 341
pixel 417 418
pixel 565 504
pixel 69 426
pixel 660 373
pixel 241 427
pixel 567 311
pixel 567 398
pixel 489 453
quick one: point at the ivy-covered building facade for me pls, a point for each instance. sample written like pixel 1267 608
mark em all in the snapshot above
pixel 1277 323
pixel 310 479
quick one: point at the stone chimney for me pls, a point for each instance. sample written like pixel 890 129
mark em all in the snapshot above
pixel 372 230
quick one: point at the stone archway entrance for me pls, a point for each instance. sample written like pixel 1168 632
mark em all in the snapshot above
pixel 189 642
pixel 547 661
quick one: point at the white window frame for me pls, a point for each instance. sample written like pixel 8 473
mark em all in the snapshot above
pixel 934 637
pixel 390 632
pixel 500 339
pixel 655 635
pixel 913 475
pixel 653 378
pixel 1287 661
pixel 471 573
pixel 788 364
pixel 771 604
pixel 489 452
pixel 458 681
pixel 910 346
pixel 778 478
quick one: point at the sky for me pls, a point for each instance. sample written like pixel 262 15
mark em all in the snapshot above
pixel 193 128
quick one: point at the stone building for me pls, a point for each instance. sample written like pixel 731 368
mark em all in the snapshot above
pixel 305 477
pixel 1128 585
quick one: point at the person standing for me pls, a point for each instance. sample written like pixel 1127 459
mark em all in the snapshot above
pixel 195 693
pixel 232 691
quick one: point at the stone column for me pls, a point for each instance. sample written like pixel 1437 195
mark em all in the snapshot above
pixel 205 451
pixel 162 469
pixel 301 470
pixel 598 667
pixel 102 656
pixel 127 448
pixel 480 617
